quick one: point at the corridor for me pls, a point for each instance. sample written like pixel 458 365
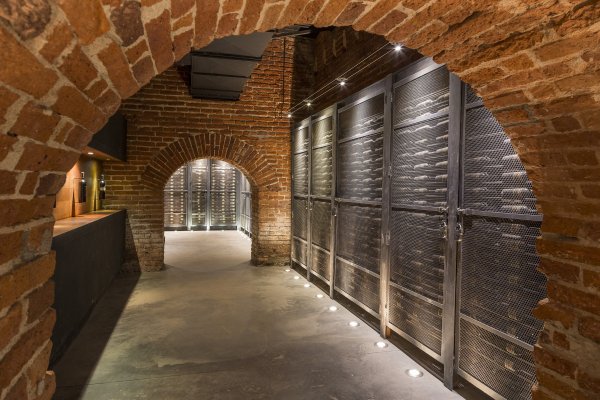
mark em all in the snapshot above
pixel 214 327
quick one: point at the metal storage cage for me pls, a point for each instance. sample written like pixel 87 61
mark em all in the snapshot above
pixel 433 224
pixel 203 195
pixel 245 205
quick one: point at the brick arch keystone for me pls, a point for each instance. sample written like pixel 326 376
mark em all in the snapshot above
pixel 65 65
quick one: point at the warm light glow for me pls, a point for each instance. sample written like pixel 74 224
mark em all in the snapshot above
pixel 381 345
pixel 307 285
pixel 319 296
pixel 398 47
pixel 308 104
pixel 289 115
pixel 353 324
pixel 287 270
pixel 90 153
pixel 296 277
pixel 342 82
pixel 414 373
pixel 332 308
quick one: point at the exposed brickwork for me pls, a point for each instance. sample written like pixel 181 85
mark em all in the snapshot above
pixel 168 128
pixel 536 64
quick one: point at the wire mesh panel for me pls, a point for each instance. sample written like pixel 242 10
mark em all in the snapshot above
pixel 360 151
pixel 495 179
pixel 199 185
pixel 358 284
pixel 320 226
pixel 420 164
pixel 222 209
pixel 300 230
pixel 359 235
pixel 422 98
pixel 417 253
pixel 416 318
pixel 321 171
pixel 199 206
pixel 175 212
pixel 499 282
pixel 504 367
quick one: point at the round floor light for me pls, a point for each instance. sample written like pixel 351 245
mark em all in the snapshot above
pixel 296 277
pixel 287 270
pixel 353 324
pixel 414 373
pixel 319 296
pixel 307 285
pixel 332 308
pixel 381 345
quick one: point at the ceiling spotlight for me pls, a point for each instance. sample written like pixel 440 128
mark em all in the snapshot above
pixel 398 47
pixel 353 324
pixel 381 345
pixel 342 81
pixel 307 285
pixel 319 296
pixel 414 373
pixel 90 153
pixel 289 115
pixel 296 277
pixel 308 103
pixel 332 308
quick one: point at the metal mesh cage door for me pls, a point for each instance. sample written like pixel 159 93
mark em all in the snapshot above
pixel 419 197
pixel 499 284
pixel 359 185
pixel 246 206
pixel 175 196
pixel 300 188
pixel 199 185
pixel 223 195
pixel 320 195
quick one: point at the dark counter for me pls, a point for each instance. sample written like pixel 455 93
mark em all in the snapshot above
pixel 89 254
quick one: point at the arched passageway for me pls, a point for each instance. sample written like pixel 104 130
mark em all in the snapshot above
pixel 535 65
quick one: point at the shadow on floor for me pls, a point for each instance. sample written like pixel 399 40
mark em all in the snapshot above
pixel 73 372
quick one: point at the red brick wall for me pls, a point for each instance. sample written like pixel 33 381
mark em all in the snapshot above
pixel 167 128
pixel 67 64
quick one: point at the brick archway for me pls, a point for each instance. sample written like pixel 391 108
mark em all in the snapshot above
pixel 242 155
pixel 66 65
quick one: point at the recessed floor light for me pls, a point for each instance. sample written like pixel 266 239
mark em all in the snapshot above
pixel 287 270
pixel 414 373
pixel 353 324
pixel 319 296
pixel 307 285
pixel 296 277
pixel 381 345
pixel 332 308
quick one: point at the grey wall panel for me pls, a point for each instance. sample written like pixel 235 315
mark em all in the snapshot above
pixel 320 223
pixel 300 223
pixel 360 168
pixel 300 173
pixel 299 251
pixel 321 171
pixel 300 140
pixel 322 132
pixel 365 118
pixel 320 261
pixel 360 285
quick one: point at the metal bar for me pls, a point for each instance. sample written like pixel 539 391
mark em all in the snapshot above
pixel 301 196
pixel 449 305
pixel 299 263
pixel 384 261
pixel 321 248
pixel 309 202
pixel 333 221
pixel 501 215
pixel 419 208
pixel 358 303
pixel 322 198
pixel 359 202
pixel 188 195
pixel 422 118
pixel 415 294
pixel 366 271
pixel 320 277
pixel 321 146
pixel 362 135
pixel 485 389
pixel 208 190
pixel 475 104
pixel 300 239
pixel 415 342
pixel 497 332
pixel 227 56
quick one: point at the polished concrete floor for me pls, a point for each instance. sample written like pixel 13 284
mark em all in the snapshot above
pixel 214 327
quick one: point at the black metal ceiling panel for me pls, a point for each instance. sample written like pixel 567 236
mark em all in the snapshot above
pixel 220 70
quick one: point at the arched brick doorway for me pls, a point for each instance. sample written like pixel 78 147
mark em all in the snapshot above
pixel 66 67
pixel 241 155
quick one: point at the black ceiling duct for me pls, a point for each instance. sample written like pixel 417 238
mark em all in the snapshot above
pixel 220 70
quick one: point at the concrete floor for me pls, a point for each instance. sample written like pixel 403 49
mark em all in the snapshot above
pixel 213 327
